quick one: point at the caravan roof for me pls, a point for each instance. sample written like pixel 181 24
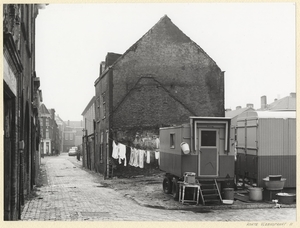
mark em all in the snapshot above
pixel 268 114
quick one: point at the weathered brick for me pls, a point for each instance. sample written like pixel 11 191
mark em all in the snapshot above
pixel 160 81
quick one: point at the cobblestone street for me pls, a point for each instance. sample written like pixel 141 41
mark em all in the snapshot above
pixel 74 194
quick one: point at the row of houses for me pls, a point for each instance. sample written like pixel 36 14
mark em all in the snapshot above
pixel 161 80
pixel 57 135
pixel 21 100
pixel 29 128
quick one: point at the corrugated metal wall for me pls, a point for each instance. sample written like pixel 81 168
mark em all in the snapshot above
pixel 271 137
pixel 277 165
pixel 276 142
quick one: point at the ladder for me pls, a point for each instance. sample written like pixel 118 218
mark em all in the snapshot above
pixel 209 192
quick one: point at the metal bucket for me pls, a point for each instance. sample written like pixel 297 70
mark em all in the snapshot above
pixel 255 194
pixel 228 193
pixel 185 147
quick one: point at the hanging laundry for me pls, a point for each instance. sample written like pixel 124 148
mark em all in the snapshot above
pixel 141 158
pixel 122 153
pixel 148 157
pixel 157 142
pixel 132 154
pixel 156 154
pixel 136 158
pixel 115 152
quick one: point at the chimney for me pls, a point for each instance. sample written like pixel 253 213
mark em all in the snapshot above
pixel 238 107
pixel 102 67
pixel 250 106
pixel 293 95
pixel 263 102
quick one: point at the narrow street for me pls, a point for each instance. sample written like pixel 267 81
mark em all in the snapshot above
pixel 73 194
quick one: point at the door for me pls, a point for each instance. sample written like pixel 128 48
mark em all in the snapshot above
pixel 208 156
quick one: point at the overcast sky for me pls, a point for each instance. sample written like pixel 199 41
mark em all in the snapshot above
pixel 254 43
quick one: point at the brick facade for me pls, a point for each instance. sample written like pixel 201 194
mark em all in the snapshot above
pixel 21 101
pixel 160 81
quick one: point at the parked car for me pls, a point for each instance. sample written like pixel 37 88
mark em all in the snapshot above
pixel 72 152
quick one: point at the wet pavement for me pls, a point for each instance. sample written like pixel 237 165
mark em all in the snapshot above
pixel 71 193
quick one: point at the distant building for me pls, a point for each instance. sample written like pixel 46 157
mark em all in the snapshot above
pixel 61 128
pixel 233 114
pixel 73 132
pixel 287 103
pixel 88 146
pixel 89 117
pixel 50 143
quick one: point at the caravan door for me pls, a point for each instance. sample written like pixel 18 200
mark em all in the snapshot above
pixel 208 155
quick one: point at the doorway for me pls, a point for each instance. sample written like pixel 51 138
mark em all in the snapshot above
pixel 208 155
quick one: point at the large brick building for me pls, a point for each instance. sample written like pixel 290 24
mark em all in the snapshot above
pixel 160 80
pixel 20 105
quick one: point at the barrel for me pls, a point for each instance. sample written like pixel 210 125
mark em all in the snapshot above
pixel 255 194
pixel 228 193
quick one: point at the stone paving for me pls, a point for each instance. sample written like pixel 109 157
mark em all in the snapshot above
pixel 73 194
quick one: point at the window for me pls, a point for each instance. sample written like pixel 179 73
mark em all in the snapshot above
pixel 101 148
pixel 208 138
pixel 98 113
pixel 103 106
pixel 47 122
pixel 71 136
pixel 47 134
pixel 172 140
pixel 66 136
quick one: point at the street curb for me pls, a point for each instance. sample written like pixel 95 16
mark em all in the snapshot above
pixel 216 207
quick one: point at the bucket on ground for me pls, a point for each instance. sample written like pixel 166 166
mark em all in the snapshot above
pixel 228 193
pixel 286 198
pixel 255 194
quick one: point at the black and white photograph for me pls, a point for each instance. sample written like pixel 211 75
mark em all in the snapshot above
pixel 149 112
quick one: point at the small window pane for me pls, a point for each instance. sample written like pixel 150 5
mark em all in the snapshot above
pixel 172 140
pixel 208 138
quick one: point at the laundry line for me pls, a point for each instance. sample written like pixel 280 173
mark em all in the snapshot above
pixel 137 156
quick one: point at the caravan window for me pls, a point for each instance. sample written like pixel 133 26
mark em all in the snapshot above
pixel 208 138
pixel 172 140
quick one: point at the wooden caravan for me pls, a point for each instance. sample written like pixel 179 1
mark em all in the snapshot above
pixel 200 147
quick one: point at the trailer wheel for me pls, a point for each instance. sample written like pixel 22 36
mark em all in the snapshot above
pixel 175 189
pixel 167 185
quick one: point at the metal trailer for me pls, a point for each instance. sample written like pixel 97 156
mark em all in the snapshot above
pixel 266 145
pixel 209 155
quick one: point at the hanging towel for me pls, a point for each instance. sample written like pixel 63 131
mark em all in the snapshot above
pixel 141 158
pixel 148 157
pixel 132 153
pixel 157 142
pixel 115 153
pixel 122 153
pixel 136 158
pixel 156 154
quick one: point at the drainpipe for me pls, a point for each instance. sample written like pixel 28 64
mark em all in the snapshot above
pixel 110 121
